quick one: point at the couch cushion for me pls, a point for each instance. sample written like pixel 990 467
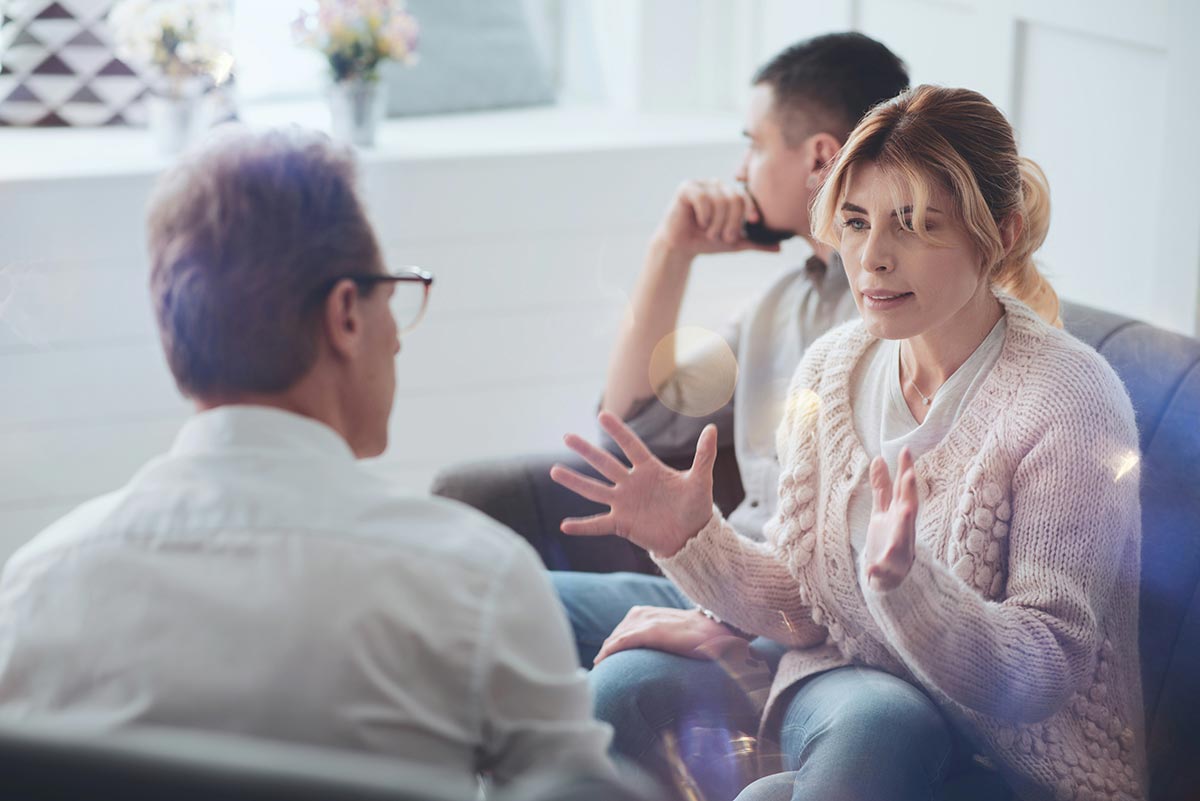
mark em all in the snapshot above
pixel 1161 371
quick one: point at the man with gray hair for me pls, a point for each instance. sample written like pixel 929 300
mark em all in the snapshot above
pixel 255 579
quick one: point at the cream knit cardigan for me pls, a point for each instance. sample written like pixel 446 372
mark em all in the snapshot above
pixel 1019 616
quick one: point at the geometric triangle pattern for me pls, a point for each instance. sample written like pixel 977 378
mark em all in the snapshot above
pixel 59 66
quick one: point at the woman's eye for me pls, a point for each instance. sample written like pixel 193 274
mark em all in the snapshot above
pixel 855 224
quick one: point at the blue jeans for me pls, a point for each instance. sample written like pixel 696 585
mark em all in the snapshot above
pixel 858 733
pixel 666 711
pixel 849 733
pixel 597 602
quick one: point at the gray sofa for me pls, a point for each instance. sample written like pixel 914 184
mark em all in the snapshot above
pixel 56 761
pixel 1161 371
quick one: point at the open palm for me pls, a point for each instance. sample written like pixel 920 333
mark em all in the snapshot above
pixel 892 533
pixel 650 504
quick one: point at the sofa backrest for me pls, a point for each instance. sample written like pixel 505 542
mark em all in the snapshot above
pixel 1161 372
pixel 58 760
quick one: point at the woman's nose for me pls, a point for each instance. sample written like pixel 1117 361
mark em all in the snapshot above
pixel 876 255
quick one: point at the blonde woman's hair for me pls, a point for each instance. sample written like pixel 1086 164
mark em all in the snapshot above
pixel 956 139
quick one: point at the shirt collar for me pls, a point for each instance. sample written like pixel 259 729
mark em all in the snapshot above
pixel 829 279
pixel 258 428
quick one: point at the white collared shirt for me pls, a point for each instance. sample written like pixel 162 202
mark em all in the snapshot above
pixel 256 579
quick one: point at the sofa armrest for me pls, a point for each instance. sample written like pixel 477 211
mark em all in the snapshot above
pixel 518 492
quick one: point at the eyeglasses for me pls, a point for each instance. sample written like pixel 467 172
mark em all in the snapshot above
pixel 409 299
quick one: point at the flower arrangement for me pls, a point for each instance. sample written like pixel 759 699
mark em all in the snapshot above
pixel 357 35
pixel 183 42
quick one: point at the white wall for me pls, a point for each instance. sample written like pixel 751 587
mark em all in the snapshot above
pixel 535 244
pixel 534 254
pixel 1103 94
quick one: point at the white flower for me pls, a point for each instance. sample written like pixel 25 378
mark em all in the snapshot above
pixel 178 39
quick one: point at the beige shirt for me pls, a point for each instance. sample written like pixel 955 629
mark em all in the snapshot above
pixel 258 580
pixel 769 340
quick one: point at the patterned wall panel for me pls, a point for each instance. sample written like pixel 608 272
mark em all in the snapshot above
pixel 57 66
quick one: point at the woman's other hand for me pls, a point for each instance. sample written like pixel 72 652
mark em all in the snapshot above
pixel 650 504
pixel 892 534
pixel 686 632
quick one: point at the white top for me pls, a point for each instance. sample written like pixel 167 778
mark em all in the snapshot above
pixel 769 340
pixel 885 424
pixel 257 580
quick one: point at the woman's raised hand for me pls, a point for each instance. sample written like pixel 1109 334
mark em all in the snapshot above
pixel 892 534
pixel 650 504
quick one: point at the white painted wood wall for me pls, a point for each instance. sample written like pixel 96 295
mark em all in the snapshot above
pixel 1104 94
pixel 534 253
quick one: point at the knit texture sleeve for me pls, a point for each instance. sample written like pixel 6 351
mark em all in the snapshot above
pixel 748 583
pixel 1075 509
pixel 744 582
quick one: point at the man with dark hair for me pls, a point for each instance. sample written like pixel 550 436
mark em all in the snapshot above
pixel 256 579
pixel 803 104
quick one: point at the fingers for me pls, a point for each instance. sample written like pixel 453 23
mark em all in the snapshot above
pixel 706 450
pixel 903 465
pixel 718 211
pixel 702 207
pixel 721 212
pixel 751 213
pixel 589 488
pixel 623 435
pixel 894 562
pixel 619 641
pixel 593 526
pixel 906 487
pixel 604 462
pixel 908 497
pixel 881 484
pixel 736 205
pixel 623 636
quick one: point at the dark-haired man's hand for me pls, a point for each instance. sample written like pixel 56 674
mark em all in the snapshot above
pixel 707 217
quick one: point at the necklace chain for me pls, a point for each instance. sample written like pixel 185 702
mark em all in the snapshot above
pixel 926 399
pixel 912 382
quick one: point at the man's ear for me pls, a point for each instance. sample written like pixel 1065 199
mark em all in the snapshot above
pixel 822 148
pixel 341 318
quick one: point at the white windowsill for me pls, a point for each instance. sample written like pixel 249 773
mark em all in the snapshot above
pixel 35 154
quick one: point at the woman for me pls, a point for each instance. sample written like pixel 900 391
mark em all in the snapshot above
pixel 987 594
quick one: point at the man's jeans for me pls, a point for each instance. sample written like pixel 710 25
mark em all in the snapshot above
pixel 849 733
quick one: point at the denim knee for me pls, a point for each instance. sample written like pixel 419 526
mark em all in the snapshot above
pixel 855 731
pixel 596 602
pixel 670 713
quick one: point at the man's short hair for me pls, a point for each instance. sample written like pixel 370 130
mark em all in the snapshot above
pixel 243 235
pixel 827 83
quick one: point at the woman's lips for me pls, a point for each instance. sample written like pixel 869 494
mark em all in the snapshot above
pixel 878 300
